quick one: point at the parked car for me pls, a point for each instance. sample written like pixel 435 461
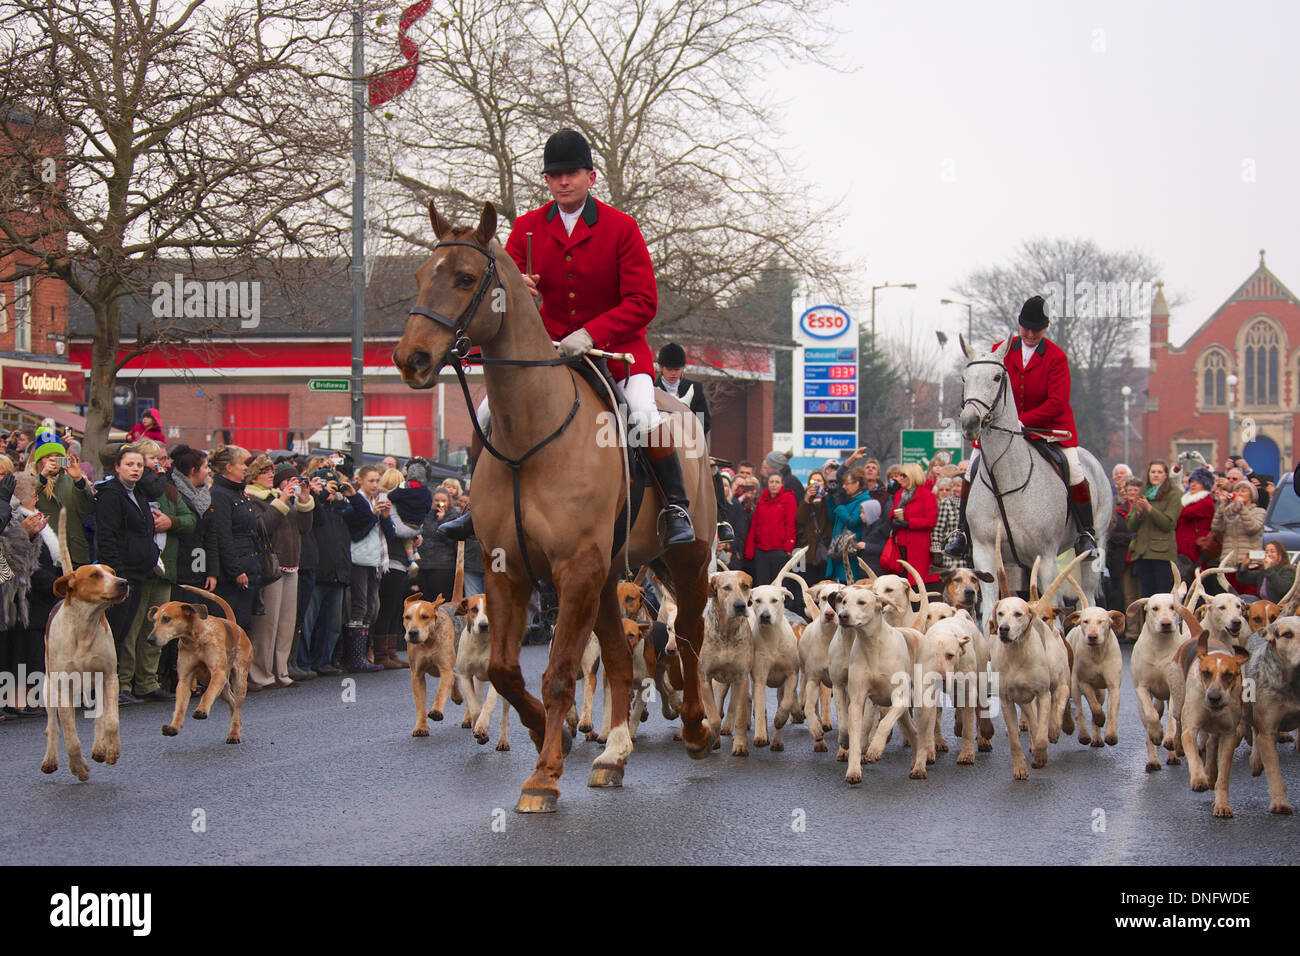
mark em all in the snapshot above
pixel 1282 522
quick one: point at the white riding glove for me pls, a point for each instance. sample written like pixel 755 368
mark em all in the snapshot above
pixel 576 343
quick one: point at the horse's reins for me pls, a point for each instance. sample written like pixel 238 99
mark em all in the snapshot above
pixel 459 352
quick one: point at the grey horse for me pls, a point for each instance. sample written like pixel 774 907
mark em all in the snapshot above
pixel 1033 494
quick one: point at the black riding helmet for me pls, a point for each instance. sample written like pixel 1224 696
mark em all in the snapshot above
pixel 672 355
pixel 565 150
pixel 1032 314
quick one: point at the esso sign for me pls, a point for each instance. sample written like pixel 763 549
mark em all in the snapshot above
pixel 824 322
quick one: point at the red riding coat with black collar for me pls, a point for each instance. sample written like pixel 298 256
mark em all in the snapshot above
pixel 1042 391
pixel 599 278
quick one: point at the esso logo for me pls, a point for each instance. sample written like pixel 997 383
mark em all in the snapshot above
pixel 824 322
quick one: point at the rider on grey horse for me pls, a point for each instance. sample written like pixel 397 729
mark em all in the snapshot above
pixel 1038 374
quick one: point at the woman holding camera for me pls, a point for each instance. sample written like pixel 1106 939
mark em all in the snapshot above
pixel 285 504
pixel 322 622
pixel 1239 522
pixel 813 519
pixel 61 485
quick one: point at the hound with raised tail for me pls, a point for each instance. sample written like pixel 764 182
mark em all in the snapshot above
pixel 212 651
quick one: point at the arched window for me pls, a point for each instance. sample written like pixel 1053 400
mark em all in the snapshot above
pixel 1263 347
pixel 1214 379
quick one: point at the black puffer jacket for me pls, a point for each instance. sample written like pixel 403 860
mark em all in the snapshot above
pixel 231 544
pixel 124 531
pixel 333 543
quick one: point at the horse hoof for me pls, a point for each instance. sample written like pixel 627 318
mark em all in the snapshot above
pixel 605 777
pixel 566 741
pixel 537 803
pixel 699 753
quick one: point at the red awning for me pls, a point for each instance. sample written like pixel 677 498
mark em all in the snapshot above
pixel 49 410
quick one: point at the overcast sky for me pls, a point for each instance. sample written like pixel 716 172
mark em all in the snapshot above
pixel 969 126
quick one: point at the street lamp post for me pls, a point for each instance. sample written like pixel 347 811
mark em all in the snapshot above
pixel 1128 394
pixel 1232 410
pixel 943 340
pixel 887 285
pixel 970 317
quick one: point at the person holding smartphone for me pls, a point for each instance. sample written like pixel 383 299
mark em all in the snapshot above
pixel 813 519
pixel 62 485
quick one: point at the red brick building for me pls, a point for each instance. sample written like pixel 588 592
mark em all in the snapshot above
pixel 1254 335
pixel 36 378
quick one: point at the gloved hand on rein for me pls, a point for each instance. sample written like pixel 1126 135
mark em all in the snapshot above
pixel 576 343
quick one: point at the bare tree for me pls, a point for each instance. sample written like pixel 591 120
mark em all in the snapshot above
pixel 1099 302
pixel 178 131
pixel 664 94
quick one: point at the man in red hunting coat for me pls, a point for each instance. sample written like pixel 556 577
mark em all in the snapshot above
pixel 1038 374
pixel 592 270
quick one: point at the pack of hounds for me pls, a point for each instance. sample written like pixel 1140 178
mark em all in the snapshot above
pixel 1208 670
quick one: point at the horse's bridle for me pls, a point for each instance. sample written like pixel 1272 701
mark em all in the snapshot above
pixel 460 344
pixel 986 421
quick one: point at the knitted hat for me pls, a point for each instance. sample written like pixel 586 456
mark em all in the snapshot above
pixel 776 460
pixel 47 444
pixel 283 473
pixel 417 470
pixel 1203 476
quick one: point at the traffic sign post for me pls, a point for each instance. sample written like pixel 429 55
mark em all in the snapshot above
pixel 328 385
pixel 922 444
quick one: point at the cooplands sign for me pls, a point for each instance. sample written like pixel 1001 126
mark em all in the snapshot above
pixel 825 322
pixel 43 384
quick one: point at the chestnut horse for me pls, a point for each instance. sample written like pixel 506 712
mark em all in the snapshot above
pixel 571 489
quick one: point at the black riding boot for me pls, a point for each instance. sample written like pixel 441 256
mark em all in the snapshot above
pixel 668 472
pixel 1081 507
pixel 725 531
pixel 958 545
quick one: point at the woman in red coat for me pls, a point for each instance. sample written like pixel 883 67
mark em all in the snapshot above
pixel 1195 518
pixel 916 511
pixel 772 532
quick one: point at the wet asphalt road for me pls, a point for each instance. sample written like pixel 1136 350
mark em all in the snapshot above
pixel 320 781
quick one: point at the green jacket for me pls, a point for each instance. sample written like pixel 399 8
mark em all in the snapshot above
pixel 79 501
pixel 184 521
pixel 1153 537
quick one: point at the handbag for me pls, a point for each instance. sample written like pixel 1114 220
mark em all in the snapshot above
pixel 1211 544
pixel 890 557
pixel 270 565
pixel 846 540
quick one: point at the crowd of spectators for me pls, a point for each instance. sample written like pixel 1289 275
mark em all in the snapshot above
pixel 314 558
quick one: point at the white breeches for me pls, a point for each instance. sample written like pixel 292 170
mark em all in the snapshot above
pixel 1072 459
pixel 642 413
